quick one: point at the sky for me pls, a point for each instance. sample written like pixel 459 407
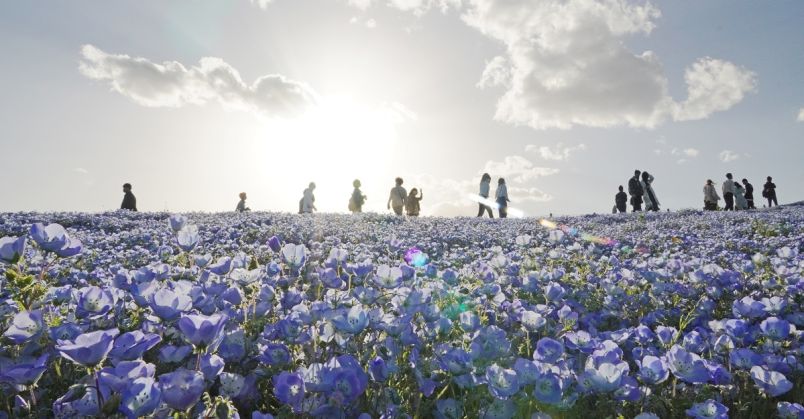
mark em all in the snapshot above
pixel 193 102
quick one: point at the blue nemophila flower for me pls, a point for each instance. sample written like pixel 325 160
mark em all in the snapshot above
pixel 647 415
pixel 232 385
pixel 274 354
pixel 378 369
pixel 709 409
pixel 468 321
pixel 289 389
pixel 388 277
pixel 294 256
pixel 211 366
pixel 547 388
pixel 222 266
pixel 553 291
pixel 602 375
pixel 93 301
pixel 116 379
pixel 502 382
pixel 499 409
pixel 169 304
pixel 330 278
pixel 448 409
pixel 182 388
pixel 88 349
pixel 12 248
pixel 351 321
pixel 52 237
pixel 776 328
pixel 140 397
pixel 744 358
pixel 548 350
pixel 24 371
pixel 667 335
pixel 172 353
pixel 789 410
pixel 233 345
pixel 132 345
pixel 187 238
pixel 748 307
pixel 203 331
pixel 532 321
pixel 653 370
pixel 344 379
pixel 25 326
pixel 456 361
pixel 489 343
pixel 771 382
pixel 687 366
pixel 177 221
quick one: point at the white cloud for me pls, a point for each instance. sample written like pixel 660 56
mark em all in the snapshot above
pixel 691 152
pixel 263 4
pixel 517 169
pixel 81 170
pixel 568 65
pixel 171 84
pixel 371 23
pixel 559 152
pixel 800 115
pixel 728 156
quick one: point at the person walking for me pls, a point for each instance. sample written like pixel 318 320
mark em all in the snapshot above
pixel 501 196
pixel 636 191
pixel 307 203
pixel 621 200
pixel 728 193
pixel 129 200
pixel 485 189
pixel 396 199
pixel 710 196
pixel 651 202
pixel 412 203
pixel 357 199
pixel 241 206
pixel 749 194
pixel 769 192
pixel 740 202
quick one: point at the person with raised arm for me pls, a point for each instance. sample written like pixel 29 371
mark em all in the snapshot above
pixel 412 203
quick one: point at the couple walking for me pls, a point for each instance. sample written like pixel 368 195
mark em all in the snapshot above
pixel 640 187
pixel 500 197
pixel 399 199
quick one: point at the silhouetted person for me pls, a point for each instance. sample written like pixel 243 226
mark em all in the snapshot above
pixel 769 192
pixel 710 196
pixel 621 200
pixel 129 201
pixel 728 192
pixel 357 199
pixel 636 191
pixel 485 189
pixel 739 197
pixel 241 206
pixel 307 203
pixel 502 198
pixel 749 194
pixel 651 202
pixel 396 199
pixel 412 206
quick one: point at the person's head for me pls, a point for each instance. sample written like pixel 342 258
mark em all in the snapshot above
pixel 242 195
pixel 486 178
pixel 637 173
pixel 709 181
pixel 356 183
pixel 399 181
pixel 645 176
pixel 728 176
pixel 126 187
pixel 413 192
pixel 501 181
pixel 621 188
pixel 770 178
pixel 312 185
pixel 745 181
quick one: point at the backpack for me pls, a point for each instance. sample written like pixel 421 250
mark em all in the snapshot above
pixel 634 187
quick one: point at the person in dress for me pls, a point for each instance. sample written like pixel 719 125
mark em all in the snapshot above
pixel 710 196
pixel 485 189
pixel 358 199
pixel 129 200
pixel 412 203
pixel 501 196
pixel 749 194
pixel 728 193
pixel 769 192
pixel 651 202
pixel 620 200
pixel 396 198
pixel 740 202
pixel 636 191
pixel 307 203
pixel 241 206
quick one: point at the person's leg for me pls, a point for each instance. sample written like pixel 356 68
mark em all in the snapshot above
pixel 488 210
pixel 729 198
pixel 775 202
pixel 480 209
pixel 503 212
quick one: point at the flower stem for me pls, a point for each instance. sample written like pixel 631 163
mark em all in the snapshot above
pixel 98 392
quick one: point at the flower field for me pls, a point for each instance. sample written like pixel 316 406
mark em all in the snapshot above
pixel 256 315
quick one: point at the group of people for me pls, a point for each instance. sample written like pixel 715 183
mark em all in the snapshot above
pixel 640 188
pixel 399 199
pixel 737 196
pixel 500 197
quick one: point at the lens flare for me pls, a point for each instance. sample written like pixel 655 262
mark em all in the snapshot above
pixel 574 232
pixel 416 257
pixel 512 212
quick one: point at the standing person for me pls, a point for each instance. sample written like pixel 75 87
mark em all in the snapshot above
pixel 620 200
pixel 651 202
pixel 502 198
pixel 769 192
pixel 241 206
pixel 412 203
pixel 739 197
pixel 636 191
pixel 710 196
pixel 749 194
pixel 307 203
pixel 396 198
pixel 357 199
pixel 728 193
pixel 129 200
pixel 485 189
